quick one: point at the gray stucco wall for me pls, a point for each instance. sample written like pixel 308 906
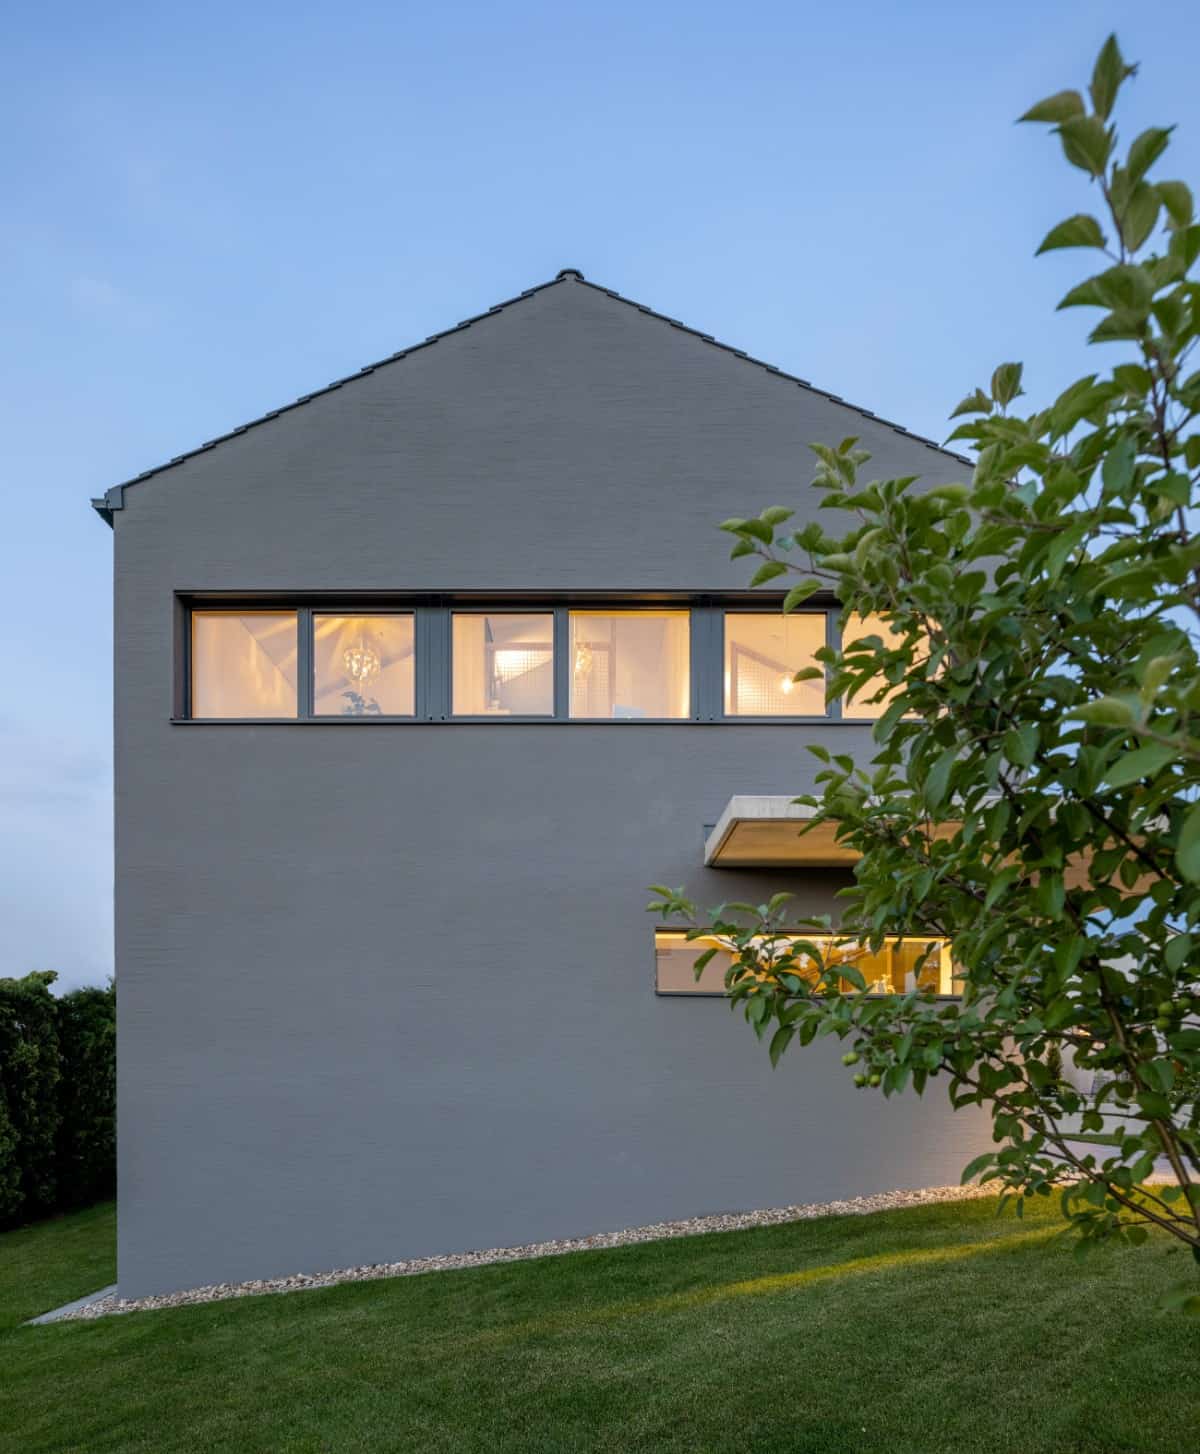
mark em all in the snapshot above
pixel 387 990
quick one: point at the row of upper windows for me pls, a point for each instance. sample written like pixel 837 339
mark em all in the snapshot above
pixel 600 665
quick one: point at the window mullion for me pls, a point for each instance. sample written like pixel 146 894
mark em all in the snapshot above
pixel 433 663
pixel 707 667
pixel 562 663
pixel 304 662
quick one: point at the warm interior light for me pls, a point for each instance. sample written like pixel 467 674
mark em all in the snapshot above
pixel 510 662
pixel 785 685
pixel 891 969
pixel 361 662
pixel 583 659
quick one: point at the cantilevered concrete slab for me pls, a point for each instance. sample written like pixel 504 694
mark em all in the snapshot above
pixel 765 832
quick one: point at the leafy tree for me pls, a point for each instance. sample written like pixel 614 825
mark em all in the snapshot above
pixel 1033 794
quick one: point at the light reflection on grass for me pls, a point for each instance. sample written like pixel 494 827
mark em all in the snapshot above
pixel 779 1282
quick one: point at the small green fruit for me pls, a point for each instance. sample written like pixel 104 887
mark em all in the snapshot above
pixel 1163 1022
pixel 860 1080
pixel 874 1079
pixel 1166 1007
pixel 850 1057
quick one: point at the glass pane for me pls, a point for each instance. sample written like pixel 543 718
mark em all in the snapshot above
pixel 630 664
pixel 675 958
pixel 503 665
pixel 243 663
pixel 893 969
pixel 363 666
pixel 762 655
pixel 861 704
pixel 935 972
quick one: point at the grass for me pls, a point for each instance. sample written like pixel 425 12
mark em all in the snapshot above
pixel 934 1329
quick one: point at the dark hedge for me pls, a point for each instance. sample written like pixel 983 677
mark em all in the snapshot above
pixel 58 1067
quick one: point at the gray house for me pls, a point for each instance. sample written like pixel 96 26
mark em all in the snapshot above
pixel 420 681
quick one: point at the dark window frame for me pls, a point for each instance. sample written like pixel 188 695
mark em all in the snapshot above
pixel 695 703
pixel 307 668
pixel 556 654
pixel 833 710
pixel 432 614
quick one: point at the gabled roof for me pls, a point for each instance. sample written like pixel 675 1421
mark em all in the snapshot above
pixel 113 498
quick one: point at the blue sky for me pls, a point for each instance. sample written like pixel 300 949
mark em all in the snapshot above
pixel 210 210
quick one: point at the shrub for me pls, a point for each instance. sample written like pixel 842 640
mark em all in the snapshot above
pixel 57 1097
pixel 29 1075
pixel 87 1148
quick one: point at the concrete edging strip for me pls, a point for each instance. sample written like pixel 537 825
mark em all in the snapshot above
pixel 67 1308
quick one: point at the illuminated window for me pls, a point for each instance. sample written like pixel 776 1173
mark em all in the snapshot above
pixel 503 665
pixel 244 663
pixel 861 704
pixel 897 967
pixel 363 666
pixel 630 664
pixel 763 652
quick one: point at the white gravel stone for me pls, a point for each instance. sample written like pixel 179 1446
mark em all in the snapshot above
pixel 656 1232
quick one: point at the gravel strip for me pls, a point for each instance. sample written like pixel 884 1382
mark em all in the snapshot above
pixel 658 1231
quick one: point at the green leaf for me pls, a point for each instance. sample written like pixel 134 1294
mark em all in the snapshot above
pixel 976 403
pixel 1059 107
pixel 1006 383
pixel 1145 151
pixel 799 594
pixel 1177 199
pixel 1187 850
pixel 1184 246
pixel 975 1166
pixel 759 529
pixel 702 961
pixel 776 514
pixel 1120 325
pixel 1110 70
pixel 938 779
pixel 1106 712
pixel 1087 143
pixel 1082 230
pixel 780 1041
pixel 767 572
pixel 1002 882
pixel 1067 542
pixel 1138 216
pixel 1021 743
pixel 1142 762
pixel 1116 473
pixel 1154 1105
pixel 1125 285
pixel 1050 894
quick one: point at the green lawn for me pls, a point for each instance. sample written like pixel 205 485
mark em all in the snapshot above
pixel 942 1328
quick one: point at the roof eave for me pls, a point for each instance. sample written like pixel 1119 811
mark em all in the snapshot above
pixel 112 499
